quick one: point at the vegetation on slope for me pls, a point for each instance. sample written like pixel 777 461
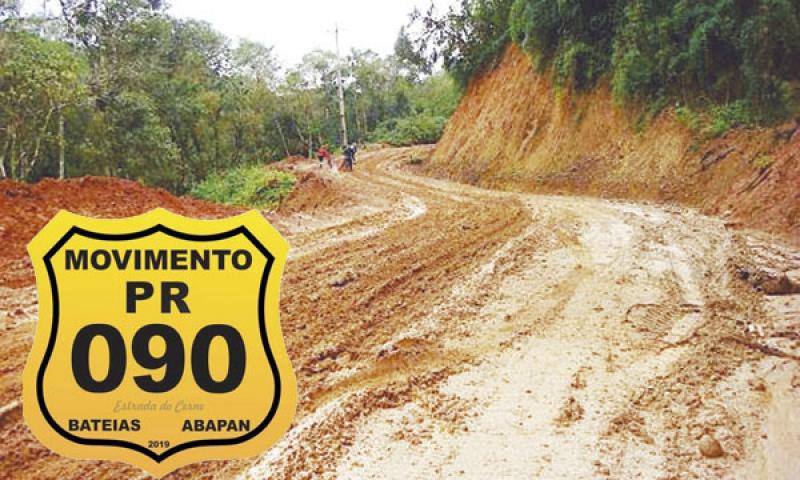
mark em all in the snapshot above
pixel 511 132
pixel 742 57
pixel 249 186
pixel 428 114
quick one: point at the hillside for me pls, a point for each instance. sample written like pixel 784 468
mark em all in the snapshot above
pixel 514 130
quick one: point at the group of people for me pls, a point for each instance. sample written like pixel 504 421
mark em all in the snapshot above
pixel 324 154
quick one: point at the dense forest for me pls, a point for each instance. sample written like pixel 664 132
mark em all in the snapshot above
pixel 739 60
pixel 120 87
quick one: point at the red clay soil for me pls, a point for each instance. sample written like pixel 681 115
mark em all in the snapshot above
pixel 27 208
pixel 512 131
pixel 438 330
pixel 313 192
pixel 769 199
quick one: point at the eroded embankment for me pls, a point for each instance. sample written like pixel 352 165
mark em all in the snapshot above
pixel 511 131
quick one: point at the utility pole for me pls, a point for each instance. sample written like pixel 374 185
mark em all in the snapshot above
pixel 42 27
pixel 61 153
pixel 340 81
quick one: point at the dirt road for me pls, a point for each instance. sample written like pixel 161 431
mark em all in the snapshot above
pixel 443 331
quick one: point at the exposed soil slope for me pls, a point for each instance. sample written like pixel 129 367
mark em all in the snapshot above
pixel 512 131
pixel 25 209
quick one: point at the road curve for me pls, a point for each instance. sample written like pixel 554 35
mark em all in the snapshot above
pixel 440 330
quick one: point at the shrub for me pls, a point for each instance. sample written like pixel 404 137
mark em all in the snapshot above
pixel 248 186
pixel 633 75
pixel 413 130
pixel 688 118
pixel 578 65
pixel 717 119
pixel 730 115
pixel 534 25
pixel 764 162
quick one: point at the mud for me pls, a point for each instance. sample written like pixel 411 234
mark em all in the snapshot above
pixel 444 331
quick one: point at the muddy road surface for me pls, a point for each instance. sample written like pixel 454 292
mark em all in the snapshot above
pixel 443 331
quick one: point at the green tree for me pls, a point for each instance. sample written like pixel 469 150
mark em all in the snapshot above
pixel 737 57
pixel 431 101
pixel 121 88
pixel 467 39
pixel 9 13
pixel 39 79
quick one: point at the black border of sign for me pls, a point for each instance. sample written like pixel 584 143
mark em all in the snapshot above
pixel 158 458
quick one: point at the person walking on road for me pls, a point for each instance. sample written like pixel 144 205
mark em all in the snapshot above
pixel 354 147
pixel 324 154
pixel 349 157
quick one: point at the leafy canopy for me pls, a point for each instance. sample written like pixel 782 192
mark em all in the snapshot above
pixel 701 52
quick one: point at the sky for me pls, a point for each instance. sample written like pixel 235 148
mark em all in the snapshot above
pixel 296 27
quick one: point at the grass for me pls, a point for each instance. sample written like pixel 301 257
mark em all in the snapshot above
pixel 688 118
pixel 730 115
pixel 716 120
pixel 249 186
pixel 764 162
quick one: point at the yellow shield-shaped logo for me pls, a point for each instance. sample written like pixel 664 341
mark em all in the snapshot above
pixel 158 341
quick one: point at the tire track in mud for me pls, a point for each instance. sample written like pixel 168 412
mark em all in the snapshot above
pixel 603 429
pixel 441 330
pixel 397 270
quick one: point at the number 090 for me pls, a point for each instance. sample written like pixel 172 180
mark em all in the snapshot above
pixel 173 359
